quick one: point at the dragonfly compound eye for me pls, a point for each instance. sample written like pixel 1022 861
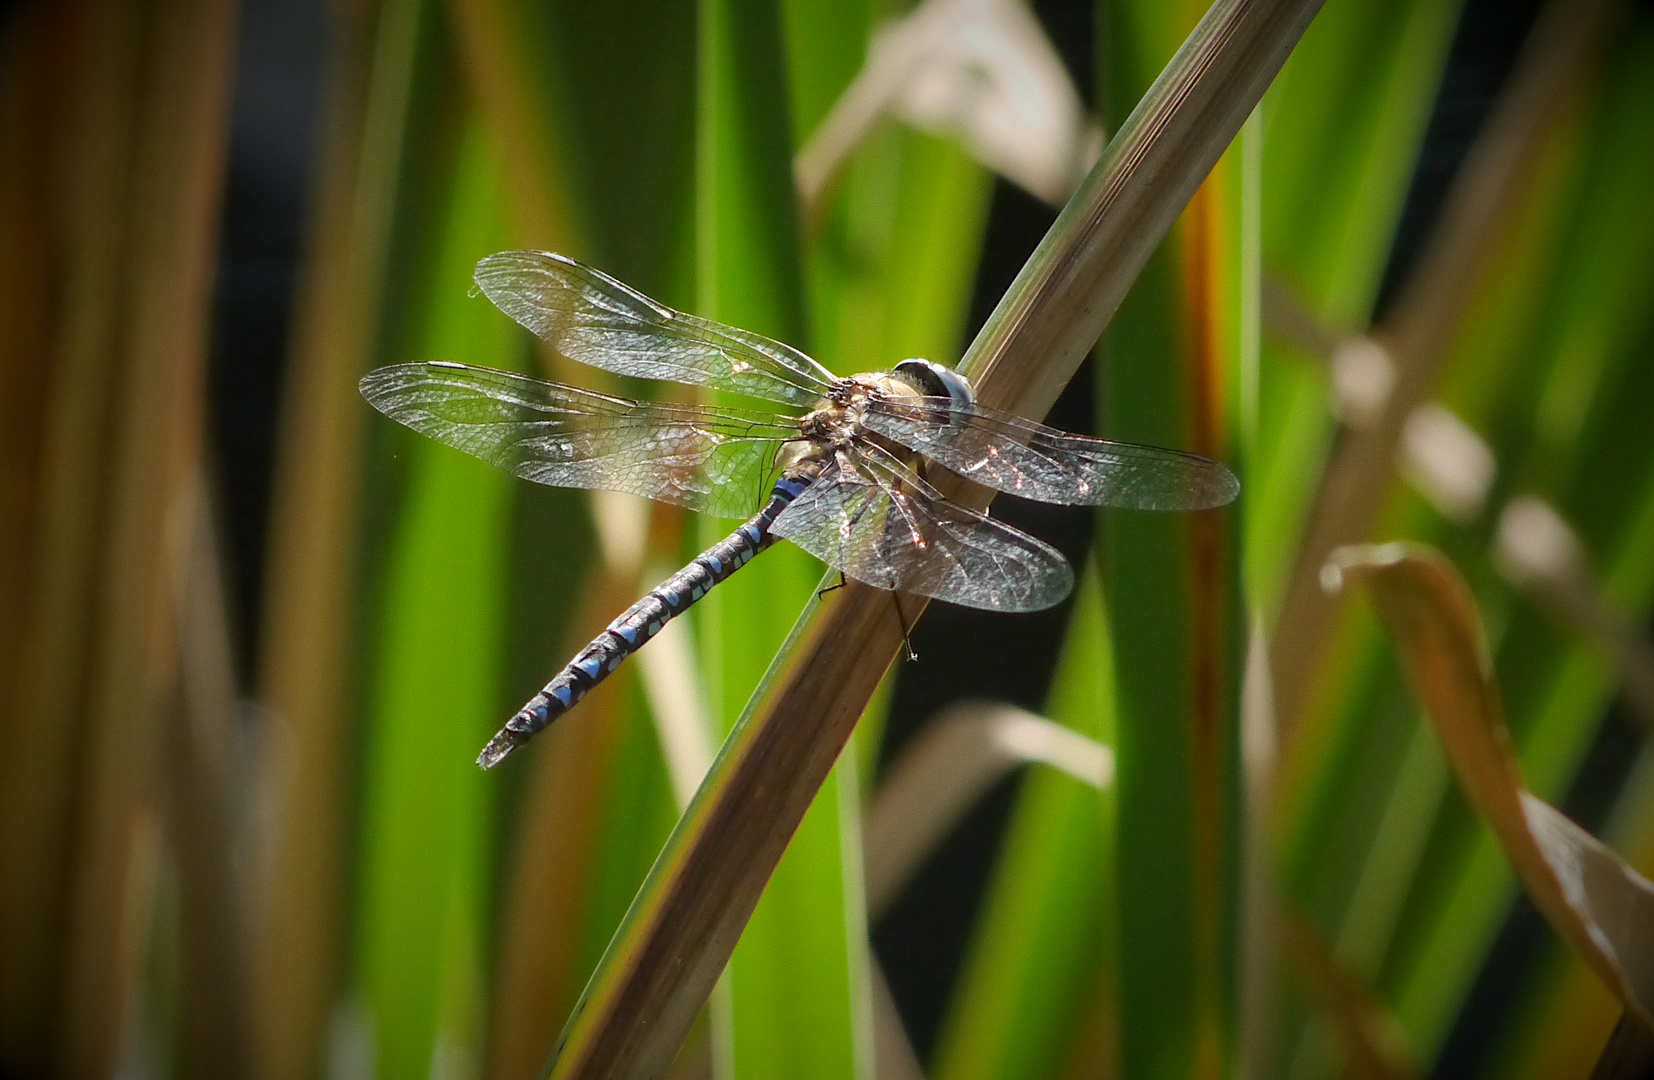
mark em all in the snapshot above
pixel 935 380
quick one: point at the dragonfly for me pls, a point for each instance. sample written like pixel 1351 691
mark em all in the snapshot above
pixel 853 459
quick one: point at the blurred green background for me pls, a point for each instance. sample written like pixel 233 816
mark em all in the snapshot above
pixel 252 634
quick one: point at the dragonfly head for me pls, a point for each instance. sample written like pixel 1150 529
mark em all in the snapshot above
pixel 934 380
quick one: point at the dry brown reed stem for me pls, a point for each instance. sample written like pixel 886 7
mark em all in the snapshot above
pixel 517 108
pixel 161 101
pixel 50 399
pixel 1059 304
pixel 1551 73
pixel 304 674
pixel 686 921
pixel 202 784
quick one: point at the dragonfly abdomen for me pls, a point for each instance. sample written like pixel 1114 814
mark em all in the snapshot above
pixel 642 621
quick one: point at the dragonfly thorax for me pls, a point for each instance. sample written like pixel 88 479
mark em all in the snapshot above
pixel 840 415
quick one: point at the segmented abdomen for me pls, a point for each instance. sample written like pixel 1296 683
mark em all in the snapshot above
pixel 640 622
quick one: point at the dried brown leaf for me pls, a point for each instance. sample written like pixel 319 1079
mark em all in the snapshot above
pixel 1597 903
pixel 982 71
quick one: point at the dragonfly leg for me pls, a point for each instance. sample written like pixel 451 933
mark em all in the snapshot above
pixel 907 641
pixel 821 594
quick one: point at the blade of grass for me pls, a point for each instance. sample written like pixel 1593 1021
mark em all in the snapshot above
pixel 1175 352
pixel 1176 619
pixel 1369 836
pixel 982 73
pixel 1566 1016
pixel 826 45
pixel 683 926
pixel 1452 915
pixel 517 63
pixel 892 262
pixel 1422 324
pixel 565 838
pixel 617 82
pixel 893 266
pixel 1071 286
pixel 521 107
pixel 799 1004
pixel 1037 992
pixel 1344 124
pixel 1374 1044
pixel 436 664
pixel 956 757
pixel 309 636
pixel 891 269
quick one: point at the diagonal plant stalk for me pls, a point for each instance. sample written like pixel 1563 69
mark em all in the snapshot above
pixel 686 920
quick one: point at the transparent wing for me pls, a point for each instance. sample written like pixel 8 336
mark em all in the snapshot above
pixel 1009 453
pixel 880 524
pixel 711 460
pixel 590 317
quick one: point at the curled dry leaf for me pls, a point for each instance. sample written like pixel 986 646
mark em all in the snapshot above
pixel 955 759
pixel 1596 902
pixel 981 71
pixel 957 756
